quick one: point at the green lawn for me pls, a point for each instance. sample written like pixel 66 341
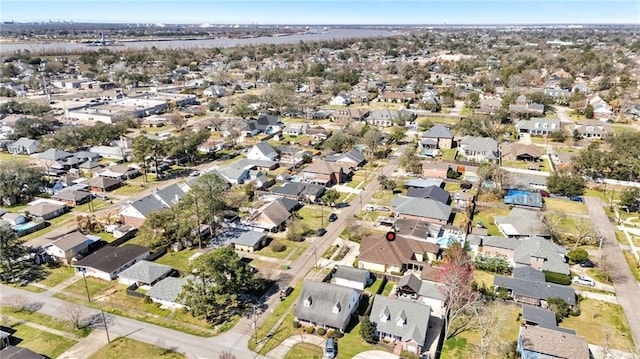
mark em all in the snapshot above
pixel 129 189
pixel 14 209
pixel 449 154
pixel 486 216
pixel 55 223
pixel 289 247
pixel 596 317
pixel 96 286
pixel 565 206
pixel 286 328
pixel 314 216
pixel 352 344
pixel 542 165
pixel 373 289
pixel 129 348
pixel 9 157
pixel 178 260
pixel 633 264
pixel 387 289
pixel 57 276
pixel 41 342
pixel 96 205
pixel 45 320
pixel 305 351
pixel 451 186
pixel 483 277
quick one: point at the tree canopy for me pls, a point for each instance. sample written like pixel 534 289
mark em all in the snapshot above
pixel 565 184
pixel 12 253
pixel 19 181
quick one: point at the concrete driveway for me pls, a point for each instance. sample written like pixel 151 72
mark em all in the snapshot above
pixel 376 354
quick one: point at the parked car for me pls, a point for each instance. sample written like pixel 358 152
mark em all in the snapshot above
pixel 576 199
pixel 194 174
pixel 584 281
pixel 369 208
pixel 544 193
pixel 321 232
pixel 383 209
pixel 333 217
pixel 587 264
pixel 284 293
pixel 330 349
pixel 100 196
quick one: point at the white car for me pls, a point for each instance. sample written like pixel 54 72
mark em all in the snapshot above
pixel 584 281
pixel 369 208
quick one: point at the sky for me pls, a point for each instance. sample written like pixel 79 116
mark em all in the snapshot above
pixel 325 12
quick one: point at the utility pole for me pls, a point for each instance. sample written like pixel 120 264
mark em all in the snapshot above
pixel 255 324
pixel 86 286
pixel 315 256
pixel 104 319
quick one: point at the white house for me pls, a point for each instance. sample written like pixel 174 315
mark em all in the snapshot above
pixel 167 291
pixel 144 274
pixel 352 277
pixel 66 248
pixel 23 146
pixel 262 152
pixel 340 100
pixel 109 261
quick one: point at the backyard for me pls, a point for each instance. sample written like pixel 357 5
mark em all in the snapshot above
pixel 486 215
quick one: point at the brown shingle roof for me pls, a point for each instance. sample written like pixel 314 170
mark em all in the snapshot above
pixel 323 167
pixel 554 343
pixel 377 249
pixel 103 182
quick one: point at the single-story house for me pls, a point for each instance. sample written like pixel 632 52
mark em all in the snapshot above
pixel 539 342
pixel 273 215
pixel 72 197
pixel 400 321
pixel 243 240
pixel 523 198
pixel 514 151
pixel 46 210
pixel 377 254
pixel 135 213
pixel 435 169
pixel 326 305
pixel 352 158
pixel 522 223
pixel 144 274
pixel 167 291
pixel 262 152
pixel 427 292
pixel 306 192
pixel 424 183
pixel 104 184
pixel 23 146
pixel 108 262
pixel 528 286
pixel 14 352
pixel 544 318
pixel 69 246
pixel 352 277
pixel 426 209
pixel 432 192
pixel 324 173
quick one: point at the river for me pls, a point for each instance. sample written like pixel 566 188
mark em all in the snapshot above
pixel 70 47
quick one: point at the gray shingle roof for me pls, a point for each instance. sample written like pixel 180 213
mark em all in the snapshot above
pixel 521 222
pixel 245 238
pixel 323 297
pixel 553 254
pixel 146 272
pixel 70 241
pixel 167 289
pixel 407 320
pixel 542 317
pixel 553 344
pixel 266 149
pixel 148 204
pixel 54 155
pixel 423 183
pixel 171 194
pixel 71 195
pixel 110 258
pixel 422 207
pixel 433 192
pixel 352 274
pixel 538 290
pixel 438 131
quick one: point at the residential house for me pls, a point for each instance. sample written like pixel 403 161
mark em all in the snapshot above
pixel 167 291
pixel 433 192
pixel 400 321
pixel 543 318
pixel 540 342
pixel 488 105
pixel 601 109
pixel 295 129
pixel 263 124
pixel 424 183
pixel 144 274
pixel 104 184
pixel 319 133
pixel 535 252
pixel 479 149
pixel 348 115
pixel 435 169
pixel 72 197
pixel 305 192
pixel 135 213
pixel 377 254
pixel 243 240
pixel 24 146
pixel 262 152
pixel 528 286
pixel 591 129
pixel 524 107
pixel 65 249
pixel 14 352
pixel 351 159
pixel 46 210
pixel 113 152
pixel 524 198
pixel 539 126
pixel 557 93
pixel 462 199
pixel 437 137
pixel 515 151
pixel 340 100
pixel 522 223
pixel 324 173
pixel 107 262
pixel 214 91
pixel 326 305
pixel 396 97
pixel 56 161
pixel 352 277
pixel 387 117
pixel 426 209
pixel 119 171
pixel 412 288
pixel 273 215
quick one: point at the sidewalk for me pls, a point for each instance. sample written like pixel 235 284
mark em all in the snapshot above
pixel 86 346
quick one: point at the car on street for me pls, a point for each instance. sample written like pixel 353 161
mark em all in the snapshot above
pixel 194 173
pixel 284 292
pixel 586 281
pixel 100 196
pixel 321 232
pixel 333 217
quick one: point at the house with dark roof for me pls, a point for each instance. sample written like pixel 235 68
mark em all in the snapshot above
pixel 299 191
pixel 432 192
pixel 479 149
pixel 522 223
pixel 437 136
pixel 24 146
pixel 262 152
pixel 426 209
pixel 400 321
pixel 134 213
pixel 326 305
pixel 387 117
pixel 348 115
pixel 377 254
pixel 13 352
pixel 528 286
pixel 319 133
pixel 352 277
pixel 66 248
pixel 104 184
pixel 544 318
pixel 166 292
pixel 412 288
pixel 108 262
pixel 144 274
pixel 540 342
pixel 72 197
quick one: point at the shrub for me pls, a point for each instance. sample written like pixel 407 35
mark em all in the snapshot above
pixel 296 324
pixel 342 253
pixel 321 331
pixel 310 330
pixel 577 255
pixel 560 307
pixel 557 278
pixel 497 264
pixel 338 334
pixel 330 333
pixel 277 247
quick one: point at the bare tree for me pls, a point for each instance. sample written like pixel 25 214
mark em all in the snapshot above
pixel 490 320
pixel 606 267
pixel 587 233
pixel 74 313
pixel 226 355
pixel 19 303
pixel 552 222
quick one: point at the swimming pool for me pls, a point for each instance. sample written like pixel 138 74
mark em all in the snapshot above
pixel 294 178
pixel 28 227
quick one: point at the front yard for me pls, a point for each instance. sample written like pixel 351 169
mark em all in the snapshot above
pixel 129 348
pixel 565 206
pixel 305 351
pixel 39 341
